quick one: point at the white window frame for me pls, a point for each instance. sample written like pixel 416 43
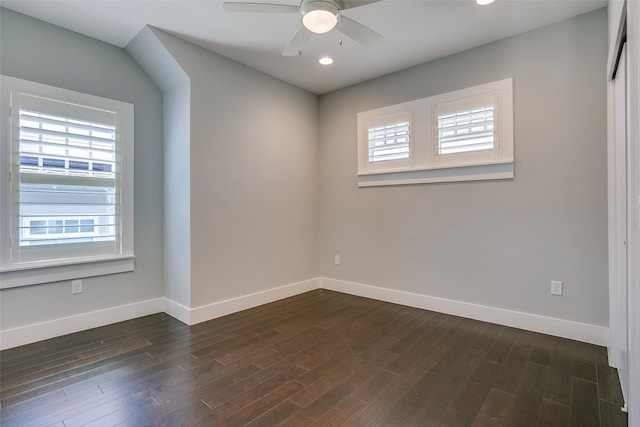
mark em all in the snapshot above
pixel 425 165
pixel 61 262
pixel 393 118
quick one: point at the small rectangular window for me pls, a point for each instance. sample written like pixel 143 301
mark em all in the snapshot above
pixel 71 226
pixel 38 227
pixel 465 135
pixel 55 227
pixel 465 131
pixel 86 226
pixel 389 142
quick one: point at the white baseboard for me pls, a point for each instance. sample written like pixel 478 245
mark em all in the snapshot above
pixel 177 311
pixel 592 334
pixel 67 325
pixel 233 305
pixel 547 325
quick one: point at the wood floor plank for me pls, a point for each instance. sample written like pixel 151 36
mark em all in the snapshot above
pixel 318 358
pixel 489 337
pixel 542 350
pixel 370 388
pixel 324 384
pixel 558 385
pixel 422 345
pixel 608 381
pixel 513 367
pixel 261 405
pixel 502 346
pixel 274 415
pixel 183 413
pixel 381 402
pixel 238 402
pixel 464 408
pixel 339 413
pixel 416 331
pixel 585 408
pixel 583 362
pixel 433 412
pixel 611 415
pixel 430 388
pixel 214 395
pixel 494 410
pixel 553 414
pixel 528 396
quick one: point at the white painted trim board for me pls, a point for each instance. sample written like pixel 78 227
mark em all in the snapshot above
pixel 191 316
pixel 592 334
pixel 559 327
pixel 80 322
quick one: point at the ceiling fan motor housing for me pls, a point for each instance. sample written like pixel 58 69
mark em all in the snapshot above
pixel 320 16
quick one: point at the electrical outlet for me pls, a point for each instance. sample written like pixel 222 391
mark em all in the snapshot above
pixel 556 287
pixel 76 286
pixel 336 259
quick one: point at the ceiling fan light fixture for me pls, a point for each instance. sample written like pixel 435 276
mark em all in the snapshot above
pixel 320 16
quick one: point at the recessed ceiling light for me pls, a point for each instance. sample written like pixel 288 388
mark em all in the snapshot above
pixel 326 60
pixel 484 2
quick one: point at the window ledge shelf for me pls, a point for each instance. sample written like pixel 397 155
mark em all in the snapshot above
pixel 477 172
pixel 34 274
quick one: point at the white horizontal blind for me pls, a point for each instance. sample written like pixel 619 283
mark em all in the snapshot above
pixel 69 181
pixel 466 131
pixel 389 142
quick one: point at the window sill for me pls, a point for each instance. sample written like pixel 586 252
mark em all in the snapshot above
pixel 34 274
pixel 477 172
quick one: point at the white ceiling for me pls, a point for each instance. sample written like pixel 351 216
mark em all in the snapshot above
pixel 415 31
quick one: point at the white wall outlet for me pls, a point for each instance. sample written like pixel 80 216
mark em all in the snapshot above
pixel 556 287
pixel 76 286
pixel 336 259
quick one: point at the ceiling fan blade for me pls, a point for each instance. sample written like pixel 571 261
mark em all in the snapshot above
pixel 259 7
pixel 350 4
pixel 297 42
pixel 358 32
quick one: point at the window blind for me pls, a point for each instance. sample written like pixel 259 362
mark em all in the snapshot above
pixel 466 131
pixel 69 181
pixel 389 142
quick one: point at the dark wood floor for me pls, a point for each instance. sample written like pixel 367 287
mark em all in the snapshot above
pixel 320 358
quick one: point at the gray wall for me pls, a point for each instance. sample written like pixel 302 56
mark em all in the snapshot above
pixel 147 49
pixel 36 51
pixel 253 177
pixel 491 243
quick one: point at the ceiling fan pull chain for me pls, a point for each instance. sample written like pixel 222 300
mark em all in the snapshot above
pixel 300 41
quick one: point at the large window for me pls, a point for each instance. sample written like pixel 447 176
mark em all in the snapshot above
pixel 465 135
pixel 67 207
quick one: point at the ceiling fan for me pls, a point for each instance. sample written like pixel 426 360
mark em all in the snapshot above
pixel 318 16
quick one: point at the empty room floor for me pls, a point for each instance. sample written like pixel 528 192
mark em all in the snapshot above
pixel 320 358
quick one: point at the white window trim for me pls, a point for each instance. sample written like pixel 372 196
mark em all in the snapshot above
pixel 393 117
pixel 424 165
pixel 14 274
